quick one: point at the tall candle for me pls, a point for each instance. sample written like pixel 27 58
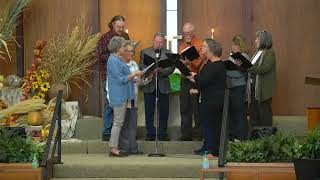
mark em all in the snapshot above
pixel 212 33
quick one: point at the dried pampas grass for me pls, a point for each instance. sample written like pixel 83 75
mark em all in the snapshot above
pixel 70 55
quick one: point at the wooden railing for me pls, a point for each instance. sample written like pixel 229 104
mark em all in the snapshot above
pixel 55 156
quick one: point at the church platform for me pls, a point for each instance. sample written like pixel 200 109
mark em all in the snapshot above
pixel 133 167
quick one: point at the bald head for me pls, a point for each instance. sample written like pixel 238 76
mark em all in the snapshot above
pixel 188 31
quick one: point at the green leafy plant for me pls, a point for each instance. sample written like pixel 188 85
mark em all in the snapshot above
pixel 311 147
pixel 15 149
pixel 277 148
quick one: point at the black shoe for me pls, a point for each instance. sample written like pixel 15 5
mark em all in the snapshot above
pixel 199 151
pixel 185 139
pixel 150 139
pixel 106 137
pixel 121 154
pixel 136 153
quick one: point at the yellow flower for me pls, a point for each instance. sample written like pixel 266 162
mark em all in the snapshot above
pixel 44 73
pixel 35 97
pixel 32 77
pixel 39 79
pixel 40 95
pixel 35 85
pixel 45 86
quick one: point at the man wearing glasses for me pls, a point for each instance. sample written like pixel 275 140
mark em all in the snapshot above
pixel 188 100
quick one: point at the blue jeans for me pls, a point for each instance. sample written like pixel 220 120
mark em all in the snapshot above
pixel 107 115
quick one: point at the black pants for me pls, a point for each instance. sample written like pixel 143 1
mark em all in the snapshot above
pixel 211 119
pixel 149 105
pixel 237 113
pixel 260 111
pixel 189 111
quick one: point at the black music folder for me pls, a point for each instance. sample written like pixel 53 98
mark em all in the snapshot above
pixel 189 53
pixel 245 62
pixel 176 59
pixel 151 63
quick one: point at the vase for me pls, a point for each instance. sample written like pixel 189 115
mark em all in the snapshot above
pixel 55 87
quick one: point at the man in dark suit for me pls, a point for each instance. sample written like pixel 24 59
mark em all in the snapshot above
pixel 157 51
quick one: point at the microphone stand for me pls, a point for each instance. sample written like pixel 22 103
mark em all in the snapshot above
pixel 156 116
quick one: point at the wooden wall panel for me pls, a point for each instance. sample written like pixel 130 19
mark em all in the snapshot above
pixel 293 24
pixel 46 17
pixel 225 16
pixel 9 67
pixel 295 35
pixel 142 18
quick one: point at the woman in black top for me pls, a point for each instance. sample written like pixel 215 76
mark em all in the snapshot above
pixel 211 81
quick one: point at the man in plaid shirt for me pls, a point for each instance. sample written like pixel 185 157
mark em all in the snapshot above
pixel 116 26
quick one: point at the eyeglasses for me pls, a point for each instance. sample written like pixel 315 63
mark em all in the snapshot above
pixel 131 51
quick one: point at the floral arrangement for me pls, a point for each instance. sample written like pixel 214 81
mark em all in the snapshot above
pixel 10 11
pixel 36 81
pixel 70 55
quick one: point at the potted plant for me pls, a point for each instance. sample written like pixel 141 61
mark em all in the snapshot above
pixel 263 158
pixel 69 56
pixel 17 154
pixel 307 166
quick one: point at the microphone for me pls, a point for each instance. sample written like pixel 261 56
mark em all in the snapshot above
pixel 157 51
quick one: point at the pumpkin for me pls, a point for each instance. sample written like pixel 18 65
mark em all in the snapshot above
pixel 35 118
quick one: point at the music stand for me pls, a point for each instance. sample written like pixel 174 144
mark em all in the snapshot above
pixel 156 117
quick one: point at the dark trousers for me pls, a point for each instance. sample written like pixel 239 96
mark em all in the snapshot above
pixel 237 113
pixel 260 111
pixel 163 107
pixel 211 119
pixel 189 111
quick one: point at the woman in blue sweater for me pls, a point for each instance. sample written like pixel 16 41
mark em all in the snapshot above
pixel 121 90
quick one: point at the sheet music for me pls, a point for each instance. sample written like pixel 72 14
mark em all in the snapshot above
pixel 256 57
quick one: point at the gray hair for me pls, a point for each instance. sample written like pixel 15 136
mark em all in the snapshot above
pixel 129 43
pixel 214 47
pixel 265 39
pixel 158 34
pixel 116 43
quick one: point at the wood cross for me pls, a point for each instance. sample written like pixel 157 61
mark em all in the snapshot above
pixel 169 40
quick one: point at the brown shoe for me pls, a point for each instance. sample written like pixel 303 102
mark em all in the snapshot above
pixel 121 154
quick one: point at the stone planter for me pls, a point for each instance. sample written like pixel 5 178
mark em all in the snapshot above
pixel 20 171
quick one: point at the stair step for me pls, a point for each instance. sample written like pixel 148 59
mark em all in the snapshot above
pixel 132 179
pixel 103 166
pixel 90 127
pixel 102 147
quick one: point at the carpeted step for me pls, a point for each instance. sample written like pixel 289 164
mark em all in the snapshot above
pixel 90 127
pixel 132 178
pixel 103 166
pixel 102 147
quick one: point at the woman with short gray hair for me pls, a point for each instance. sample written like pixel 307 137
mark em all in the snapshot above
pixel 262 81
pixel 120 90
pixel 211 81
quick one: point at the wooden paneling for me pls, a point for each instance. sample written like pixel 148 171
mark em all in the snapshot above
pixel 293 24
pixel 142 19
pixel 46 17
pixel 9 67
pixel 295 35
pixel 225 16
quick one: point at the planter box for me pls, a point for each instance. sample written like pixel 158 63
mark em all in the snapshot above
pixel 255 171
pixel 307 168
pixel 19 171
